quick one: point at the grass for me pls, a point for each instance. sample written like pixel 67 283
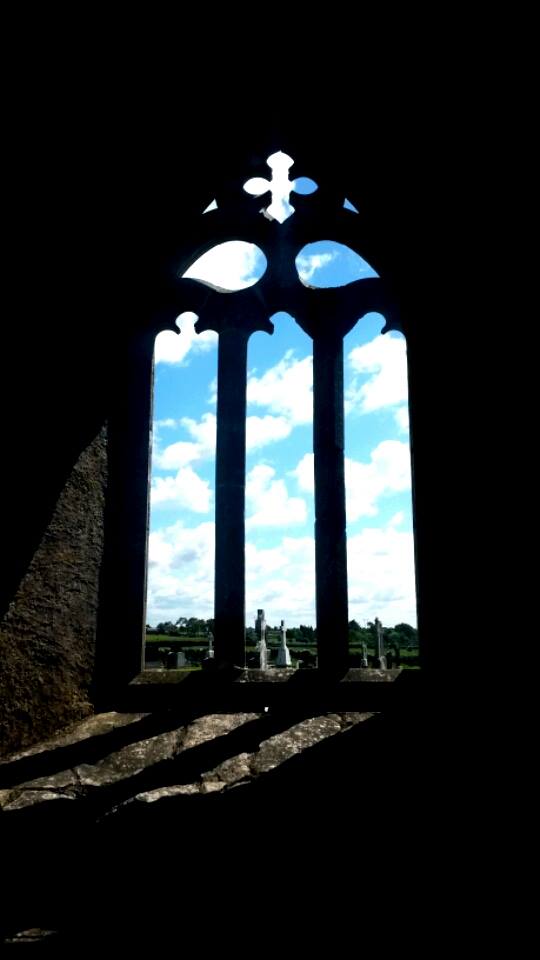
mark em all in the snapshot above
pixel 199 644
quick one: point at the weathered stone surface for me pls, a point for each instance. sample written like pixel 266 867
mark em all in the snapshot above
pixel 47 637
pixel 279 748
pixel 150 796
pixel 94 725
pixel 29 798
pixel 142 755
pixel 119 764
pixel 231 771
pixel 56 781
pixel 130 760
pixel 214 725
pixel 212 786
pixel 33 935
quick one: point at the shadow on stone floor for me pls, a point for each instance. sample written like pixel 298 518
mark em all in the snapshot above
pixel 94 745
pixel 354 801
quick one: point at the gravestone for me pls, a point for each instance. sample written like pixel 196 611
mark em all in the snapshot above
pixel 283 658
pixel 260 633
pixel 175 660
pixel 380 659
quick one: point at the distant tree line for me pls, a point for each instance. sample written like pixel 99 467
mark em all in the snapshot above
pixel 183 627
pixel 399 637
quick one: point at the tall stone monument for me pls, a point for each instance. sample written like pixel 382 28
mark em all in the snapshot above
pixel 260 633
pixel 380 659
pixel 283 658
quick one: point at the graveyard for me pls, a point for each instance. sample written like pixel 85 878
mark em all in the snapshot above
pixel 190 646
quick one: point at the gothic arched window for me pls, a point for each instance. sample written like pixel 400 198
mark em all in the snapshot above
pixel 282 218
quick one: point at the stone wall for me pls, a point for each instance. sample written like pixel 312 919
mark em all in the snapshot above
pixel 47 638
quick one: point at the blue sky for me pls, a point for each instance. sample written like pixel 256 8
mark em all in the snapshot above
pixel 279 473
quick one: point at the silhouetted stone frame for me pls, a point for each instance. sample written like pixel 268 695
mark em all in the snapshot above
pixel 326 315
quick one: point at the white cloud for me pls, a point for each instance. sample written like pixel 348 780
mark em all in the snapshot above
pixel 268 429
pixel 203 432
pixel 281 579
pixel 259 432
pixel 183 452
pixel 304 473
pixel 309 264
pixel 168 422
pixel 185 490
pixel 268 501
pixel 387 472
pixel 233 265
pixel 384 361
pixel 174 347
pixel 286 389
pixel 401 416
pixel 381 576
pixel 181 572
pixel 176 455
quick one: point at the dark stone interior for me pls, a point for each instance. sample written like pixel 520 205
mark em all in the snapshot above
pixel 97 208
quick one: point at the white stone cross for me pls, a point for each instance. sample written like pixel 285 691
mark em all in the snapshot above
pixel 280 187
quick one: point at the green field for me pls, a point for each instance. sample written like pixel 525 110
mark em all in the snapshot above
pixel 195 648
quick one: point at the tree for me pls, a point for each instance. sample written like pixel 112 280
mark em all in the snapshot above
pixel 408 636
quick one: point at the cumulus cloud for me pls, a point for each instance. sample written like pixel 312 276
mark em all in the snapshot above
pixel 203 432
pixel 268 501
pixel 176 455
pixel 259 432
pixel 401 416
pixel 345 264
pixel 183 452
pixel 308 264
pixel 281 578
pixel 286 389
pixel 387 472
pixel 185 490
pixel 233 265
pixel 384 362
pixel 174 347
pixel 180 572
pixel 268 429
pixel 381 575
